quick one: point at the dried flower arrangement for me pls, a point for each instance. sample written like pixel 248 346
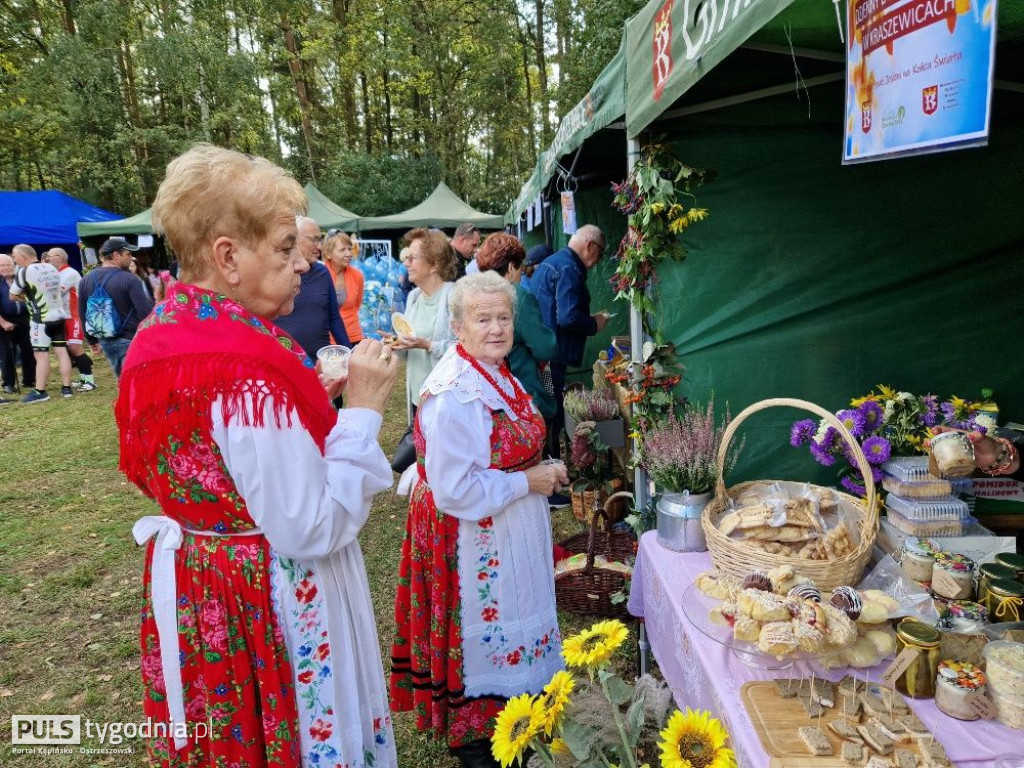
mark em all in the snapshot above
pixel 591 405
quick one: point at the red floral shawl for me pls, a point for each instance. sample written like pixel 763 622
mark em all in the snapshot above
pixel 199 345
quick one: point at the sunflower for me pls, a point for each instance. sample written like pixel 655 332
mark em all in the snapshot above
pixel 517 724
pixel 559 747
pixel 695 740
pixel 593 647
pixel 552 704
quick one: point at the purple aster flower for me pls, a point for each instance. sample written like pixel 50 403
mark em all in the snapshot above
pixel 877 474
pixel 948 411
pixel 877 450
pixel 930 417
pixel 853 420
pixel 802 432
pixel 822 455
pixel 873 415
pixel 853 486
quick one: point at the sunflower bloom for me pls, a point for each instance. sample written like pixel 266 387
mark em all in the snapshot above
pixel 593 647
pixel 697 214
pixel 559 747
pixel 552 704
pixel 678 225
pixel 517 725
pixel 695 740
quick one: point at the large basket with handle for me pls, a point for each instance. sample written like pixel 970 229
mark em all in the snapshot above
pixel 588 590
pixel 738 559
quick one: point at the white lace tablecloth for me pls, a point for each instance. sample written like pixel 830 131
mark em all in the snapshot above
pixel 704 674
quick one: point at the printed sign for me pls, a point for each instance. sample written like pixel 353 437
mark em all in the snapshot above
pixel 568 213
pixel 918 76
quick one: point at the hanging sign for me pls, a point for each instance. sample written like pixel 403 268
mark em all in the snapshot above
pixel 918 76
pixel 568 213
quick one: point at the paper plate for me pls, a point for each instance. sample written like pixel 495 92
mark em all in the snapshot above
pixel 401 325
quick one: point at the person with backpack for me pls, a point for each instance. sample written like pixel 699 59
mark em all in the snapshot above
pixel 112 302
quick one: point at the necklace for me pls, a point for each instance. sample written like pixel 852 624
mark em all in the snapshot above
pixel 520 404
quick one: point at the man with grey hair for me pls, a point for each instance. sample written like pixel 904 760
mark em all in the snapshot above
pixel 560 285
pixel 316 317
pixel 14 333
pixel 38 285
pixel 69 282
pixel 465 243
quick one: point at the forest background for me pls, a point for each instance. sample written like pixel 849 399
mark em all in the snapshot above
pixel 374 101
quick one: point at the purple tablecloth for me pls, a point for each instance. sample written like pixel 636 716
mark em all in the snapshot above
pixel 704 674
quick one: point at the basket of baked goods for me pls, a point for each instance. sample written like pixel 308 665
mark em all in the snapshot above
pixel 824 534
pixel 598 568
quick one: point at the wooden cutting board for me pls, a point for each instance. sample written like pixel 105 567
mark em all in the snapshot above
pixel 776 721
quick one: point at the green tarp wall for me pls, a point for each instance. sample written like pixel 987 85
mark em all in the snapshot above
pixel 816 281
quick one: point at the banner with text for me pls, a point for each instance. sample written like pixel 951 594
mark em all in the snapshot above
pixel 918 76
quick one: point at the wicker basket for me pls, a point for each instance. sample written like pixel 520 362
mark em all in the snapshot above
pixel 738 560
pixel 586 503
pixel 588 591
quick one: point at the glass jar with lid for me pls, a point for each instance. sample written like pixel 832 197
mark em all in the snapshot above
pixel 1014 561
pixel 960 571
pixel 956 684
pixel 989 572
pixel 918 679
pixel 918 559
pixel 1004 601
pixel 965 616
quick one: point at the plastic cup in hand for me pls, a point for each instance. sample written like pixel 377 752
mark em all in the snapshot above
pixel 333 361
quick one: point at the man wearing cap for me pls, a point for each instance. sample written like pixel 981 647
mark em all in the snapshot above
pixel 534 257
pixel 38 285
pixel 129 295
pixel 465 242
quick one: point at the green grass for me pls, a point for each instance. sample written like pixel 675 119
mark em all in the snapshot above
pixel 71 575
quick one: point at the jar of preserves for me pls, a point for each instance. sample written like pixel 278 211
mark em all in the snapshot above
pixel 918 679
pixel 956 580
pixel 954 454
pixel 918 559
pixel 965 616
pixel 956 684
pixel 990 571
pixel 1014 561
pixel 1004 601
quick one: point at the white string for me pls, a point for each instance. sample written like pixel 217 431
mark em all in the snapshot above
pixel 796 68
pixel 839 20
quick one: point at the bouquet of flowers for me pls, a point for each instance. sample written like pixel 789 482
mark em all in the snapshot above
pixel 600 720
pixel 885 423
pixel 589 456
pixel 591 405
pixel 681 453
pixel 650 384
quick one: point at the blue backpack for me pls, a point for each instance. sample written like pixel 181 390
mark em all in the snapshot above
pixel 102 319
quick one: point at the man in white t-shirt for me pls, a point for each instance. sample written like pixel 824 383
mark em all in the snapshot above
pixel 38 285
pixel 69 280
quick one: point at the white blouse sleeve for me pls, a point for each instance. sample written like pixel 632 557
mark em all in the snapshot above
pixel 308 505
pixel 458 457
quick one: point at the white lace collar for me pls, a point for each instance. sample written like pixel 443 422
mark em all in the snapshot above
pixel 455 374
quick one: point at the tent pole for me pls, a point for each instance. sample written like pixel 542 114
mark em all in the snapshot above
pixel 636 341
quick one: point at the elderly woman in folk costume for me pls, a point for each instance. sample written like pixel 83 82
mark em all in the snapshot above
pixel 257 612
pixel 475 609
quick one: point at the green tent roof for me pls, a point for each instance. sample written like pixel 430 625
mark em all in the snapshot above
pixel 326 213
pixel 442 208
pixel 139 224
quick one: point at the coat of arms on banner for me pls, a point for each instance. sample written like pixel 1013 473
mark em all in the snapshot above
pixel 930 99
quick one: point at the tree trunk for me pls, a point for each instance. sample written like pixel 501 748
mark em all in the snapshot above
pixel 69 17
pixel 524 46
pixel 295 68
pixel 367 122
pixel 542 71
pixel 389 131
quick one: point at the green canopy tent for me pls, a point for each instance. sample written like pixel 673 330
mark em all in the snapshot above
pixel 442 208
pixel 812 279
pixel 327 214
pixel 139 224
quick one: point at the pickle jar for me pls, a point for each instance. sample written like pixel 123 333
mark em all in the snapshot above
pixel 918 680
pixel 1004 601
pixel 1014 561
pixel 990 572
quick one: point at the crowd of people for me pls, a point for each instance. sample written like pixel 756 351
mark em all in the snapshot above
pixel 258 615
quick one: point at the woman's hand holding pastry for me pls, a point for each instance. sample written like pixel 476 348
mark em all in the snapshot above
pixel 547 479
pixel 372 370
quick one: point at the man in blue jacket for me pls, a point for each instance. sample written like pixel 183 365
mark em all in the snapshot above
pixel 560 285
pixel 315 317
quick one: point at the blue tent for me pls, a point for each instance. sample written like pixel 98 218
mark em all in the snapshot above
pixel 44 218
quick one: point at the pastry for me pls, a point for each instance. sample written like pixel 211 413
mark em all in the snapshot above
pixel 852 753
pixel 757 580
pixel 815 739
pixel 777 638
pixel 762 606
pixel 839 630
pixel 785 577
pixel 873 612
pixel 746 629
pixel 847 600
pixel 401 325
pixel 724 615
pixel 718 585
pixel 813 708
pixel 905 759
pixel 801 512
pixel 806 592
pixel 783 533
pixel 845 731
pixel 878 596
pixel 884 642
pixel 837 542
pixel 875 739
pixel 861 655
pixel 745 518
pixel 808 637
